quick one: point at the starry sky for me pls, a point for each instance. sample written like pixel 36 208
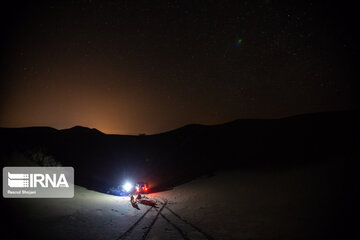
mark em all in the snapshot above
pixel 131 67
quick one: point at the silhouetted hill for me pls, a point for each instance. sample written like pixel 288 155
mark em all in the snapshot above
pixel 81 130
pixel 173 157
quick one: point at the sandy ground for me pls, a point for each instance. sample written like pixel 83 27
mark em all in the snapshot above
pixel 289 204
pixel 297 203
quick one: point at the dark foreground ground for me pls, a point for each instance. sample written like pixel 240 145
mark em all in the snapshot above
pixel 291 178
pixel 309 202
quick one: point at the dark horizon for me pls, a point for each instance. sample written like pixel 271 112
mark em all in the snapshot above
pixel 190 124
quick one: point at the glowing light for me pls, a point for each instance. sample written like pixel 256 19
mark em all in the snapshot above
pixel 127 187
pixel 239 42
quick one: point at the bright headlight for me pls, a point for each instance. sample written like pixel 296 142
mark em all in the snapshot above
pixel 128 186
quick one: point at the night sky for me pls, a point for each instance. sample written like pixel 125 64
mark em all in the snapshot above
pixel 152 66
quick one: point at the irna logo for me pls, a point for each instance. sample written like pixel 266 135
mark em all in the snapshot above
pixel 38 182
pixel 19 180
